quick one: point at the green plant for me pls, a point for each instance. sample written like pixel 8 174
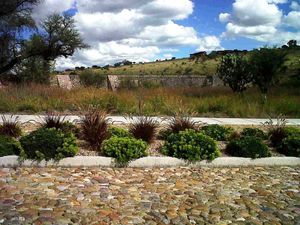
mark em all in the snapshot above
pixel 94 128
pixel 248 146
pixel 276 136
pixel 235 71
pixel 144 128
pixel 90 78
pixel 217 132
pixel 124 149
pixel 119 132
pixel 254 132
pixel 10 127
pixel 190 145
pixel 9 146
pixel 48 143
pixel 290 146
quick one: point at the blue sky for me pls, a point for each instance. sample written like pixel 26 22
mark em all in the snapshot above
pixel 146 30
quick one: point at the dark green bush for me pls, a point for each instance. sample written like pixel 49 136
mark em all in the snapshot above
pixel 254 132
pixel 9 146
pixel 277 135
pixel 290 146
pixel 217 132
pixel 119 132
pixel 249 146
pixel 124 149
pixel 190 145
pixel 48 143
pixel 90 78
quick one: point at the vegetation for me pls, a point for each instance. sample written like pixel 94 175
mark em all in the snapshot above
pixel 10 127
pixel 249 146
pixel 94 128
pixel 9 146
pixel 235 71
pixel 191 145
pixel 90 78
pixel 254 132
pixel 290 146
pixel 48 144
pixel 124 149
pixel 119 132
pixel 217 132
pixel 144 128
pixel 206 102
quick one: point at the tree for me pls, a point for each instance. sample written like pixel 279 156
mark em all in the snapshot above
pixel 234 70
pixel 292 43
pixel 57 37
pixel 267 64
pixel 15 17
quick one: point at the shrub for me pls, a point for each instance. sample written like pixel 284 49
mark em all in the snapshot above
pixel 124 149
pixel 191 145
pixel 217 132
pixel 253 132
pixel 52 120
pixel 234 71
pixel 48 143
pixel 90 78
pixel 248 146
pixel 118 132
pixel 290 146
pixel 94 128
pixel 144 128
pixel 10 127
pixel 277 135
pixel 9 146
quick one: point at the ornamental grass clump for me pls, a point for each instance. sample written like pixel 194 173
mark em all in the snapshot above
pixel 9 146
pixel 217 132
pixel 47 144
pixel 124 149
pixel 191 145
pixel 10 127
pixel 144 128
pixel 248 146
pixel 94 128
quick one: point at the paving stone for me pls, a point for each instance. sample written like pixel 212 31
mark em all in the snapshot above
pixel 256 195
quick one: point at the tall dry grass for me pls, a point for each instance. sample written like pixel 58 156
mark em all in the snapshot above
pixel 217 102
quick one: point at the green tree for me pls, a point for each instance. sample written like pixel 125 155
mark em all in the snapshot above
pixel 234 70
pixel 267 63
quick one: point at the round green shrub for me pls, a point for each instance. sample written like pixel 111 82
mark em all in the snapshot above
pixel 124 149
pixel 277 135
pixel 191 145
pixel 290 146
pixel 48 143
pixel 9 146
pixel 250 147
pixel 67 128
pixel 119 132
pixel 253 132
pixel 217 132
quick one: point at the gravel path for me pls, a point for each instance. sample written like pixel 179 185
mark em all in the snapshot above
pixel 267 196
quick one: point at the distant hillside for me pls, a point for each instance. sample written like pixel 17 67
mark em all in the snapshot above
pixel 185 66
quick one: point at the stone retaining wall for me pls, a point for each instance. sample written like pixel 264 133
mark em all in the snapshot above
pixel 115 82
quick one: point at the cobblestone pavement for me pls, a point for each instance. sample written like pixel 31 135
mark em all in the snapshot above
pixel 150 196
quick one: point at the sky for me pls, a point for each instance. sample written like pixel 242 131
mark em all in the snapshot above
pixel 146 30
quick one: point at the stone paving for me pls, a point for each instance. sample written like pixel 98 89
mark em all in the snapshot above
pixel 258 195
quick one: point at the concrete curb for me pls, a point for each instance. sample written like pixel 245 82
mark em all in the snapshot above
pixel 150 161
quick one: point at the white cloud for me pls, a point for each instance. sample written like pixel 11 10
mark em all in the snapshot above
pixel 295 6
pixel 210 43
pixel 48 7
pixel 260 20
pixel 293 19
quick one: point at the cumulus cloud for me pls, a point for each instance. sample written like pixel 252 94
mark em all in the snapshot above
pixel 295 6
pixel 260 20
pixel 210 43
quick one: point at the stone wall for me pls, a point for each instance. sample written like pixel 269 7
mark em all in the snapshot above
pixel 115 82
